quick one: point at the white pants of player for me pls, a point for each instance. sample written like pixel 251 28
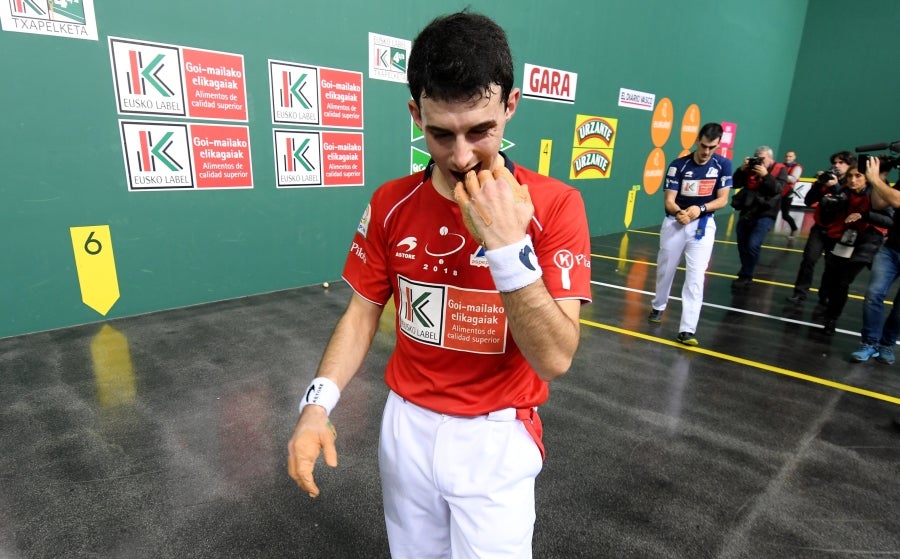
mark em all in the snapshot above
pixel 675 239
pixel 453 487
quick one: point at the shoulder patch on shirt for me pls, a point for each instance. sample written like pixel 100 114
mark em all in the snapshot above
pixel 363 227
pixel 671 172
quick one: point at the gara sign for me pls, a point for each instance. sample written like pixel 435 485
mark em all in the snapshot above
pixel 549 84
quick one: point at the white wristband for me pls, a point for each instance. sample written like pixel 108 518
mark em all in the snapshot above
pixel 321 392
pixel 514 266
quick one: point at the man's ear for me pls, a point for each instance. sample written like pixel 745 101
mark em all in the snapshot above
pixel 415 113
pixel 512 102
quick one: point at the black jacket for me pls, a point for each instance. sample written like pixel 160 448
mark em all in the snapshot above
pixel 768 191
pixel 870 228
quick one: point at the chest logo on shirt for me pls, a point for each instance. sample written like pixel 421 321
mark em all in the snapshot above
pixel 701 187
pixel 478 258
pixel 441 248
pixel 451 317
pixel 712 172
pixel 448 243
pixel 406 246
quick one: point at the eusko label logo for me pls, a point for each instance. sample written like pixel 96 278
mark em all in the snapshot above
pixel 299 158
pixel 65 18
pixel 70 11
pixel 157 156
pixel 295 93
pixel 387 57
pixel 147 78
pixel 421 311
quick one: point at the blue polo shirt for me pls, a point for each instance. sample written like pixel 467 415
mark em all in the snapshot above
pixel 698 184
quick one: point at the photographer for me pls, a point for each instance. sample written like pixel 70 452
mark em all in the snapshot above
pixel 827 182
pixel 795 170
pixel 761 180
pixel 856 232
pixel 879 335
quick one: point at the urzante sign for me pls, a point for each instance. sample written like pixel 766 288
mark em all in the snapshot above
pixel 549 84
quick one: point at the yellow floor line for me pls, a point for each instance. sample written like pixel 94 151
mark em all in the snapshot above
pixel 748 362
pixel 732 276
pixel 723 241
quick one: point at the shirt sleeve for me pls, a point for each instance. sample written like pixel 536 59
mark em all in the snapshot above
pixel 563 248
pixel 366 267
pixel 726 178
pixel 673 177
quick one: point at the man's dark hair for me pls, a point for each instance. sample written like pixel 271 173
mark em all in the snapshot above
pixel 710 131
pixel 458 57
pixel 845 156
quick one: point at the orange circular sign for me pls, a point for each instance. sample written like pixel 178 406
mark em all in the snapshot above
pixel 690 126
pixel 684 152
pixel 661 123
pixel 654 169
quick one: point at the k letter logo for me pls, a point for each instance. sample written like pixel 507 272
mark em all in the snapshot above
pixel 157 156
pixel 147 77
pixel 299 158
pixel 294 89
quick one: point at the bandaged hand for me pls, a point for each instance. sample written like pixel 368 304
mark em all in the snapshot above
pixel 314 433
pixel 495 208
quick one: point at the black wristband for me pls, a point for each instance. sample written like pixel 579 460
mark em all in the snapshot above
pixel 702 209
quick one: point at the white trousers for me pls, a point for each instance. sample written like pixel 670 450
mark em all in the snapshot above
pixel 675 239
pixel 453 487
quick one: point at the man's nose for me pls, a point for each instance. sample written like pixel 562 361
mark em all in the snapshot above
pixel 462 153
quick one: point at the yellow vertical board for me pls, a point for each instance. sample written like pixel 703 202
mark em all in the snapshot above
pixel 113 373
pixel 629 205
pixel 544 158
pixel 96 266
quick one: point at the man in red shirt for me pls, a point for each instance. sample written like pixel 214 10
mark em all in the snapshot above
pixel 488 276
pixel 795 170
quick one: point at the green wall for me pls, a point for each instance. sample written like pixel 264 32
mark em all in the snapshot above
pixel 846 90
pixel 62 162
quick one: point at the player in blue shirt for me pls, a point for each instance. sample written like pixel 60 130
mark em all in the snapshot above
pixel 696 186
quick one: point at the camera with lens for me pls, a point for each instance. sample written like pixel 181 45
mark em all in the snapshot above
pixel 834 200
pixel 827 176
pixel 831 205
pixel 754 161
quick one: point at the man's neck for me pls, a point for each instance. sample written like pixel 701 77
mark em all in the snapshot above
pixel 441 185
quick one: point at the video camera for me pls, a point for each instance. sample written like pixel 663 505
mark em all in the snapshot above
pixel 888 161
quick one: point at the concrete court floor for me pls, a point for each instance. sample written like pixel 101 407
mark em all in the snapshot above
pixel 164 435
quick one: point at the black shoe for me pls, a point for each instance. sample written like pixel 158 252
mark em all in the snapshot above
pixel 687 338
pixel 829 328
pixel 741 283
pixel 796 298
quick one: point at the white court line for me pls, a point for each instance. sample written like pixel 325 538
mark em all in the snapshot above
pixel 733 309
